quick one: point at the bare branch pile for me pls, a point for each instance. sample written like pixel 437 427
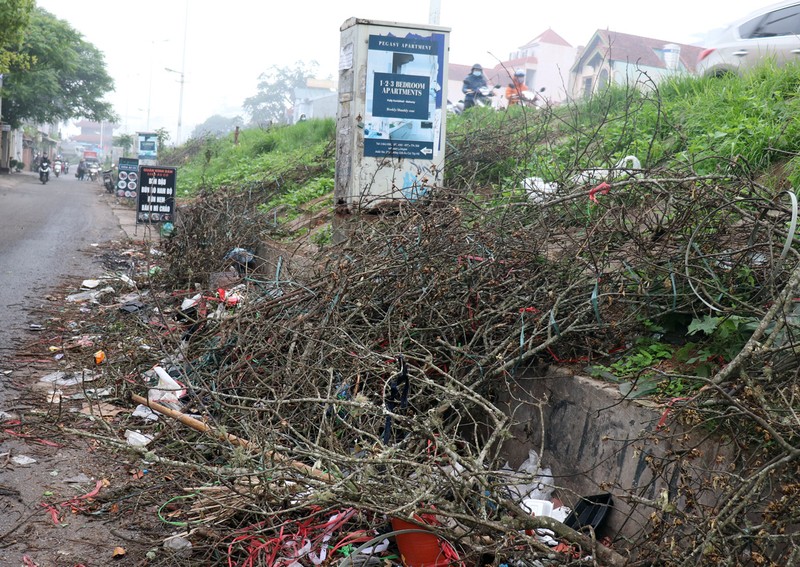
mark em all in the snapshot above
pixel 370 383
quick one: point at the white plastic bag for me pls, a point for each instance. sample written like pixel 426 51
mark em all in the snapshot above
pixel 167 392
pixel 137 439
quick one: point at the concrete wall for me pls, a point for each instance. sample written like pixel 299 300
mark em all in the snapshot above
pixel 552 72
pixel 596 442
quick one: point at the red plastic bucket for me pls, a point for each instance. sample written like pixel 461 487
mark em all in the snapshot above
pixel 419 549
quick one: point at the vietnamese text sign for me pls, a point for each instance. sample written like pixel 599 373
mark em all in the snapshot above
pixel 156 201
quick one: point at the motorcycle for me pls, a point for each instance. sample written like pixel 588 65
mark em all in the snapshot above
pixel 484 97
pixel 93 171
pixel 57 168
pixel 44 173
pixel 532 98
pixel 108 180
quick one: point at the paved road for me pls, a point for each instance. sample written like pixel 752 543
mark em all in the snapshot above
pixel 46 232
pixel 46 236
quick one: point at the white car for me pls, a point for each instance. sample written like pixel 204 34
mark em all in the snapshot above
pixel 771 32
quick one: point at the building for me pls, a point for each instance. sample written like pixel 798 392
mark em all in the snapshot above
pixel 95 136
pixel 620 58
pixel 318 99
pixel 546 61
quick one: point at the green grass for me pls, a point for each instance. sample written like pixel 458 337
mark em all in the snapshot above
pixel 707 125
pixel 263 157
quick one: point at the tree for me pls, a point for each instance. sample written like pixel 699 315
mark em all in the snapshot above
pixel 15 16
pixel 125 141
pixel 162 137
pixel 276 91
pixel 67 76
pixel 217 125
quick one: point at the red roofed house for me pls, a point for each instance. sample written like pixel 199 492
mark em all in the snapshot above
pixel 620 58
pixel 546 60
pixel 96 136
pixel 552 58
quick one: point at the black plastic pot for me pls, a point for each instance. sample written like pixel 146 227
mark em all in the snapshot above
pixel 591 511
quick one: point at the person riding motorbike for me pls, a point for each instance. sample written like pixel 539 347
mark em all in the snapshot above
pixel 516 88
pixel 44 169
pixel 472 83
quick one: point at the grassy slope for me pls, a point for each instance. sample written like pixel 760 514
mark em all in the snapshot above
pixel 699 124
pixel 702 124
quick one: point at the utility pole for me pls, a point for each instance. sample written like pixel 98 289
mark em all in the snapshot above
pixel 183 70
pixel 180 104
pixel 182 74
pixel 150 83
pixel 435 11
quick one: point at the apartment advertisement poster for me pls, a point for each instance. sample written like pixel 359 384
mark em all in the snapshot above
pixel 404 96
pixel 127 178
pixel 156 202
pixel 147 147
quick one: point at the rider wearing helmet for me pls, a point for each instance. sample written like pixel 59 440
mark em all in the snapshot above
pixel 516 88
pixel 472 82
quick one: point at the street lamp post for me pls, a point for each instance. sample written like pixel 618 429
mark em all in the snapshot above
pixel 182 75
pixel 180 104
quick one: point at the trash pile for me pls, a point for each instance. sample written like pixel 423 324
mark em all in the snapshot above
pixel 348 415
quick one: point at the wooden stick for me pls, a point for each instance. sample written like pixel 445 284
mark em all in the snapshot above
pixel 205 428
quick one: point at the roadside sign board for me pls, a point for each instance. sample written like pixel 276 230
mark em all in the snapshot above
pixel 128 178
pixel 156 201
pixel 147 147
pixel 403 98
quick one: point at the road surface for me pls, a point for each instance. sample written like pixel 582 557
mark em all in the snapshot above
pixel 46 237
pixel 46 233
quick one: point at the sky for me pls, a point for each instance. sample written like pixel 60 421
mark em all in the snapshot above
pixel 221 47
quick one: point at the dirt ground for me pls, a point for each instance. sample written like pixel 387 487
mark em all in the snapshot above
pixel 72 492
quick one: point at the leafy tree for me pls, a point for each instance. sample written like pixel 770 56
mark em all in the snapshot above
pixel 125 141
pixel 162 137
pixel 276 91
pixel 67 76
pixel 15 16
pixel 217 125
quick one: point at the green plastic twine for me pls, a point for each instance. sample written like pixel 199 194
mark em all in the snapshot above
pixel 167 503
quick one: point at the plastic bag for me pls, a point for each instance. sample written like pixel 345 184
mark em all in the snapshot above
pixel 167 391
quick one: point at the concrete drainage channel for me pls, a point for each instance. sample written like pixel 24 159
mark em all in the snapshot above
pixel 607 454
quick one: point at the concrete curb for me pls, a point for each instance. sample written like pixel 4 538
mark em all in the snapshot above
pixel 125 211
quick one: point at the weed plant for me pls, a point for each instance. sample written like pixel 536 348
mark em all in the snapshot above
pixel 270 157
pixel 707 125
